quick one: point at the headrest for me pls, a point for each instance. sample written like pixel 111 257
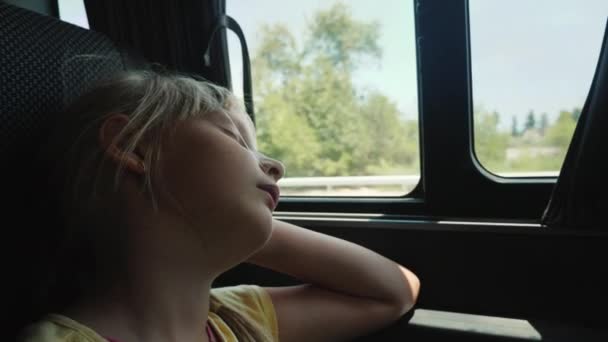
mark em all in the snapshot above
pixel 44 63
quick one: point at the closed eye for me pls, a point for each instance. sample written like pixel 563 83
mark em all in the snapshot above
pixel 235 136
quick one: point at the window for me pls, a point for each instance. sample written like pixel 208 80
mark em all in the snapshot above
pixel 73 12
pixel 532 65
pixel 335 93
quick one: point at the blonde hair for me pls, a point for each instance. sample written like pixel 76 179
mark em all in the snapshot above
pixel 154 102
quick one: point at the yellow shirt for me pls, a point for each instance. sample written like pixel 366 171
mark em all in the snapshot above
pixel 249 300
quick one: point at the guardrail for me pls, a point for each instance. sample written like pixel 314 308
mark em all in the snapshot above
pixel 395 185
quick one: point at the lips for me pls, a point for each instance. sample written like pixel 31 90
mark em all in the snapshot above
pixel 274 192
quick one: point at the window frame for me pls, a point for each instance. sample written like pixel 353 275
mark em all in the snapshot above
pixel 478 193
pixel 445 114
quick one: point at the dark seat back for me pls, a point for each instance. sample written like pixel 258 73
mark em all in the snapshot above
pixel 44 63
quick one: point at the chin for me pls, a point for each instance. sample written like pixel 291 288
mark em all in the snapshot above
pixel 263 225
pixel 256 226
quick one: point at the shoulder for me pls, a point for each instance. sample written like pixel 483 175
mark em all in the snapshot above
pixel 251 301
pixel 58 328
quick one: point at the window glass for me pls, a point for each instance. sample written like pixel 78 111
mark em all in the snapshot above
pixel 335 92
pixel 532 66
pixel 73 11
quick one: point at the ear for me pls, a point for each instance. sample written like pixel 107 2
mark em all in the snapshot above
pixel 109 130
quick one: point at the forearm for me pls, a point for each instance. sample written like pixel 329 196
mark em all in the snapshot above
pixel 336 264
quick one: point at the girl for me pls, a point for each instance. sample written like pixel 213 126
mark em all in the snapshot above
pixel 163 190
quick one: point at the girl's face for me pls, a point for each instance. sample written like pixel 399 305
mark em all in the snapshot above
pixel 211 168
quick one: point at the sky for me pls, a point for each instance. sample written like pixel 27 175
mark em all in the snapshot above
pixel 525 54
pixel 538 55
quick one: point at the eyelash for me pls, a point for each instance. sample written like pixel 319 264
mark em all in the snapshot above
pixel 233 135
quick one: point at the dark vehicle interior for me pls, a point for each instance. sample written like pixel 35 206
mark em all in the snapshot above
pixel 499 258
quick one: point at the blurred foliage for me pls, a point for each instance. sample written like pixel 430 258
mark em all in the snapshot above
pixel 312 116
pixel 541 147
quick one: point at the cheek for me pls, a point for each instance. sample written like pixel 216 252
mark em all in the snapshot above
pixel 202 185
pixel 219 196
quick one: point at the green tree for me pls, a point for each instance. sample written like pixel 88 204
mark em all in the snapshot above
pixel 286 136
pixel 576 113
pixel 514 127
pixel 544 122
pixel 311 115
pixel 385 138
pixel 530 121
pixel 490 143
pixel 560 133
pixel 336 35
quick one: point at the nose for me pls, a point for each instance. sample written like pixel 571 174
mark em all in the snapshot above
pixel 272 167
